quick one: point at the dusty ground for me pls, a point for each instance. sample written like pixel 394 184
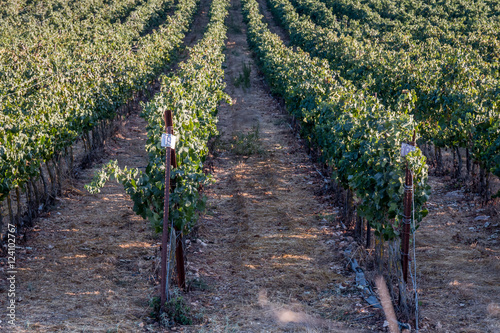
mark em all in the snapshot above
pixel 458 259
pixel 267 264
pixel 268 253
pixel 87 265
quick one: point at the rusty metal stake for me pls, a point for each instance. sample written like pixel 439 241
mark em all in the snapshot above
pixel 170 161
pixel 179 259
pixel 179 249
pixel 407 202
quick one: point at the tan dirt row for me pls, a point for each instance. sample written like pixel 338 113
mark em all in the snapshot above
pixel 266 260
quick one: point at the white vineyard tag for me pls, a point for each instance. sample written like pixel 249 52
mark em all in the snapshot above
pixel 406 148
pixel 168 140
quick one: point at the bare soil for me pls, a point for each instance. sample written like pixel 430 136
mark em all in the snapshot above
pixel 263 256
pixel 88 262
pixel 458 263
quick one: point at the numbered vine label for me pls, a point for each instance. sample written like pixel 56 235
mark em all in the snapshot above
pixel 406 148
pixel 168 140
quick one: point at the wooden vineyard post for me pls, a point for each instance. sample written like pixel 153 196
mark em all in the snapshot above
pixel 407 202
pixel 179 259
pixel 170 160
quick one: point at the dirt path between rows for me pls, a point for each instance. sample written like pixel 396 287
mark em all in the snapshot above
pixel 84 267
pixel 266 259
pixel 458 262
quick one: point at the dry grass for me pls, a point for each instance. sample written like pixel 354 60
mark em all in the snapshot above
pixel 87 264
pixel 459 267
pixel 262 226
